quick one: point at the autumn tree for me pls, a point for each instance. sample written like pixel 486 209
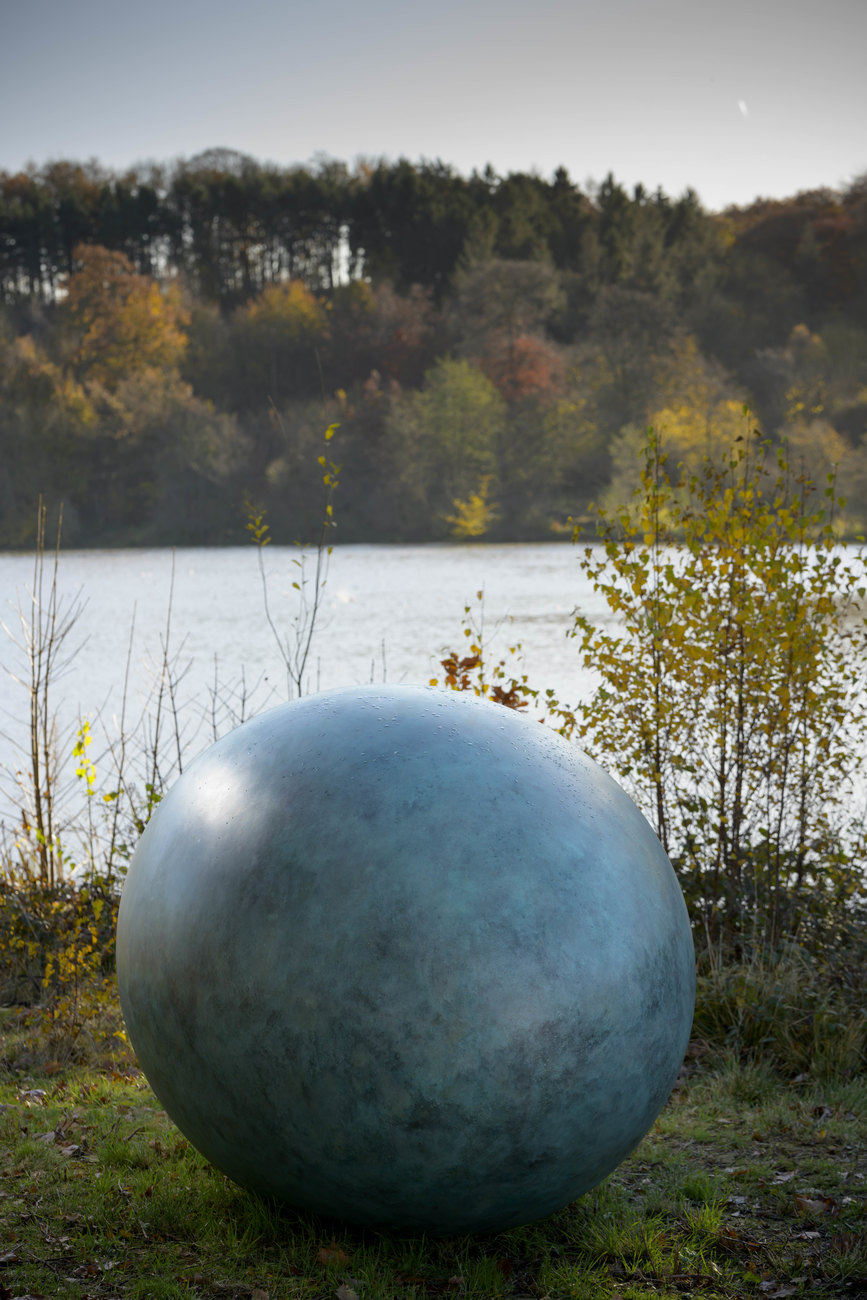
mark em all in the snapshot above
pixel 499 310
pixel 46 421
pixel 278 336
pixel 527 368
pixel 119 322
pixel 371 328
pixel 731 688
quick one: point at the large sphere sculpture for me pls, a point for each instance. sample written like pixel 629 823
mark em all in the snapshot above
pixel 404 957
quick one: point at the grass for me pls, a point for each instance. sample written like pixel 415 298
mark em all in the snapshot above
pixel 746 1186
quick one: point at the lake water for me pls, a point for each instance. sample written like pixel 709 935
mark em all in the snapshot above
pixel 388 613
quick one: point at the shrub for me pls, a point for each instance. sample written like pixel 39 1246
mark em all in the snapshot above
pixel 731 697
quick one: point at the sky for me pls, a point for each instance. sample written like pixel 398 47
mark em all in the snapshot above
pixel 738 99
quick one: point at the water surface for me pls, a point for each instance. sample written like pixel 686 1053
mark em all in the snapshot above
pixel 388 613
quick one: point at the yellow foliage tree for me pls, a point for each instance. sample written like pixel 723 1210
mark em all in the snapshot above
pixel 694 431
pixel 695 415
pixel 286 314
pixel 731 686
pixel 120 322
pixel 696 410
pixel 474 516
pixel 277 335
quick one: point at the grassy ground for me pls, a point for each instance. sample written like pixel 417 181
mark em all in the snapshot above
pixel 746 1186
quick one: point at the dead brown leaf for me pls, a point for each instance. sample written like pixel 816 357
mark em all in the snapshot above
pixel 815 1204
pixel 332 1255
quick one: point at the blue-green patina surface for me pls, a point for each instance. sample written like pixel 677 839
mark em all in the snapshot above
pixel 405 957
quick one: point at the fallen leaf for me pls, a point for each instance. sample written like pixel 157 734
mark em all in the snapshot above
pixel 815 1204
pixel 10 1257
pixel 258 1294
pixel 346 1293
pixel 783 1178
pixel 332 1255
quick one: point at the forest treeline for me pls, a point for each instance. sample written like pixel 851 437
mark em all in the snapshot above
pixel 174 340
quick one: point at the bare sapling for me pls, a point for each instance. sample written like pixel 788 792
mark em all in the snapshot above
pixel 46 623
pixel 295 646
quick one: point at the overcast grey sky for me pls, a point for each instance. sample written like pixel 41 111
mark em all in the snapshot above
pixel 737 98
